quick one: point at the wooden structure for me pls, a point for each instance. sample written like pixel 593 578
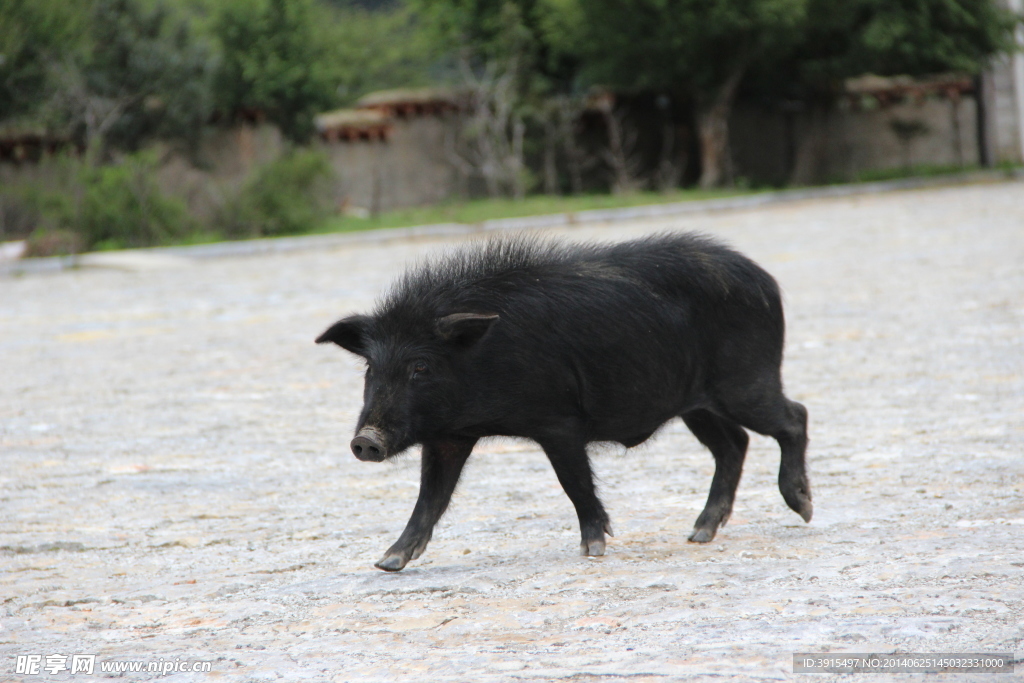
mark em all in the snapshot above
pixel 349 125
pixel 374 116
pixel 888 90
pixel 409 102
pixel 21 144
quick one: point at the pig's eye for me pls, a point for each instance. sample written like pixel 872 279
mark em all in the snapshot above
pixel 419 368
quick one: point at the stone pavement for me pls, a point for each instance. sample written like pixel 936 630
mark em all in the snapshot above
pixel 176 485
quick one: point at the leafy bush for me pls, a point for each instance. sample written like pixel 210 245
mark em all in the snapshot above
pixel 84 208
pixel 287 196
pixel 45 242
pixel 118 205
pixel 123 206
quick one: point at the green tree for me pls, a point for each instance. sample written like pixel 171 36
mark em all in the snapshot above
pixel 33 35
pixel 141 76
pixel 375 50
pixel 890 37
pixel 497 31
pixel 273 62
pixel 883 37
pixel 154 70
pixel 497 54
pixel 479 25
pixel 696 50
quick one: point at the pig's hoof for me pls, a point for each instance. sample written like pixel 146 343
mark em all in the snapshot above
pixel 800 502
pixel 702 535
pixel 592 548
pixel 797 495
pixel 391 563
pixel 806 510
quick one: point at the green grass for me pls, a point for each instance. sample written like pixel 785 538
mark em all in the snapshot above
pixel 480 210
pixel 916 171
pixel 929 171
pixel 196 237
pixel 470 213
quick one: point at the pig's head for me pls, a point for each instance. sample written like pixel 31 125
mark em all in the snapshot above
pixel 414 386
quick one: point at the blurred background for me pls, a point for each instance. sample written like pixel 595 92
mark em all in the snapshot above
pixel 129 123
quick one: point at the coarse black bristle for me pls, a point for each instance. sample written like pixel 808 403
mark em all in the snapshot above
pixel 498 265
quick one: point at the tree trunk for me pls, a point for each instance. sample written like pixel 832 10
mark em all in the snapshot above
pixel 620 154
pixel 671 163
pixel 713 130
pixel 550 166
pixel 810 160
pixel 516 162
pixel 568 114
pixel 958 147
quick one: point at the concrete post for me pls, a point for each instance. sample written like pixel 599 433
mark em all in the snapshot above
pixel 1018 78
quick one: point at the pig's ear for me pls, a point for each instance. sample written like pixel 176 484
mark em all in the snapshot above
pixel 464 328
pixel 350 334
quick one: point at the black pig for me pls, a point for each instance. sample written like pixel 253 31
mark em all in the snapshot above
pixel 568 344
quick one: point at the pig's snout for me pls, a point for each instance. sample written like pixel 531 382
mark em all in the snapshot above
pixel 369 445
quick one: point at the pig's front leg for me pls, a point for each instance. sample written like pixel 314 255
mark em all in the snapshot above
pixel 568 455
pixel 440 466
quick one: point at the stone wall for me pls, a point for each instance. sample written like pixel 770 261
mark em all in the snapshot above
pixel 1003 87
pixel 409 168
pixel 842 144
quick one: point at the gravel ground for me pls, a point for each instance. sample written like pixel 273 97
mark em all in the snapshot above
pixel 177 486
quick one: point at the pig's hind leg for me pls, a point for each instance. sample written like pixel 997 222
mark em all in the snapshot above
pixel 772 414
pixel 728 444
pixel 568 455
pixel 440 467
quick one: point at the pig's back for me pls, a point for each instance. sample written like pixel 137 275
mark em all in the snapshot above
pixel 683 267
pixel 626 335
